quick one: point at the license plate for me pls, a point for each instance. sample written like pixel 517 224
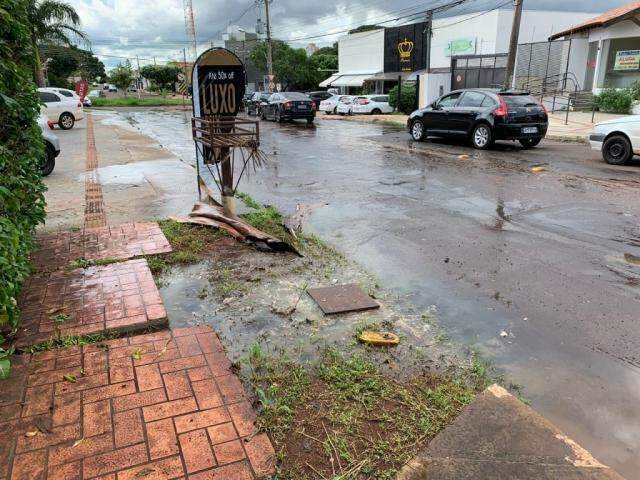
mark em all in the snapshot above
pixel 529 129
pixel 302 107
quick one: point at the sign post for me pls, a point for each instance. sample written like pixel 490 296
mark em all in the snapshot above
pixel 218 85
pixel 82 88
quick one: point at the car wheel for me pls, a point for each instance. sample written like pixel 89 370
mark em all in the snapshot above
pixel 418 132
pixel 66 121
pixel 310 121
pixel 481 136
pixel 617 150
pixel 530 142
pixel 376 111
pixel 49 161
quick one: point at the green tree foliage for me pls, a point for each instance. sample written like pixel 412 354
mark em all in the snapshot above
pixel 365 28
pixel 21 154
pixel 50 21
pixel 611 100
pixel 291 66
pixel 164 76
pixel 70 61
pixel 407 98
pixel 122 76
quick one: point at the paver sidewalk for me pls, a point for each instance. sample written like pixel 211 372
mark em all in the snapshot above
pixel 155 406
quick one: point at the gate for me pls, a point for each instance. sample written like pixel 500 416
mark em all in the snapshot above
pixel 478 71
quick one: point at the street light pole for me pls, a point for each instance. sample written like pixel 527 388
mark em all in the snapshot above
pixel 513 44
pixel 269 47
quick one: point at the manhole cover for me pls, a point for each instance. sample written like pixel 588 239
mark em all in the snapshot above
pixel 342 298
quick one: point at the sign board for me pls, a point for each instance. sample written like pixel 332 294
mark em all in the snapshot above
pixel 627 60
pixel 405 48
pixel 218 81
pixel 461 46
pixel 82 88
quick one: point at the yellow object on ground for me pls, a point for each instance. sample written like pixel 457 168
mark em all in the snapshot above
pixel 379 338
pixel 538 169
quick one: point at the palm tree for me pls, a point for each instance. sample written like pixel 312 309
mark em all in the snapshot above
pixel 51 21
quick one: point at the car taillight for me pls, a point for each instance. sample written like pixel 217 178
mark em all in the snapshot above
pixel 502 110
pixel 364 101
pixel 287 105
pixel 50 123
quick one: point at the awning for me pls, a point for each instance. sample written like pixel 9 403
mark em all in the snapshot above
pixel 350 80
pixel 329 81
pixel 388 76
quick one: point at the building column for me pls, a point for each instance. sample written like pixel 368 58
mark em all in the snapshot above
pixel 596 71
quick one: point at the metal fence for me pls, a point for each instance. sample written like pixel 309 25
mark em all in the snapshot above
pixel 543 60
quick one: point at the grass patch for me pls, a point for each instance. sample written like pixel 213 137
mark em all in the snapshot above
pixel 84 263
pixel 189 243
pixel 137 102
pixel 70 341
pixel 344 419
pixel 248 200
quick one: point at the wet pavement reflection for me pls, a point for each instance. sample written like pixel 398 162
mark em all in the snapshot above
pixel 548 257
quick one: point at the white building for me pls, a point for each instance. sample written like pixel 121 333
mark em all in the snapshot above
pixel 606 48
pixel 366 56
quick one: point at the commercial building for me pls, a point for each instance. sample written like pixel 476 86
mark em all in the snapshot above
pixel 242 44
pixel 605 48
pixel 465 51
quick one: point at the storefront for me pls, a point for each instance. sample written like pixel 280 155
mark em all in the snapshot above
pixel 610 45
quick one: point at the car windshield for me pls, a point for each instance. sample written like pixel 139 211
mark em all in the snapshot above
pixel 520 100
pixel 295 96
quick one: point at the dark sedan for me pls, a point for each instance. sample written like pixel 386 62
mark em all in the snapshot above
pixel 319 96
pixel 254 103
pixel 482 116
pixel 289 106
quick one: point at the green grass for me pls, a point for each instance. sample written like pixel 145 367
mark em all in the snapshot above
pixel 83 263
pixel 134 101
pixel 189 243
pixel 363 423
pixel 70 341
pixel 248 200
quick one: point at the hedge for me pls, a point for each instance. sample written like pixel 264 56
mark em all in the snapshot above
pixel 21 153
pixel 407 98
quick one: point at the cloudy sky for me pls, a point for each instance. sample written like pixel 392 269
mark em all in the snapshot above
pixel 155 28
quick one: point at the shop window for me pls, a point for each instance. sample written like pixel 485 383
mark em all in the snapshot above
pixel 623 63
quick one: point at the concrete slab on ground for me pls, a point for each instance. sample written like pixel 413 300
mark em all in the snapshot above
pixel 119 297
pixel 498 437
pixel 161 405
pixel 120 242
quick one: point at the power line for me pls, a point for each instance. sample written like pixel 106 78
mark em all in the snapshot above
pixel 473 17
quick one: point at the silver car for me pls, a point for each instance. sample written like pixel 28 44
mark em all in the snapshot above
pixel 52 144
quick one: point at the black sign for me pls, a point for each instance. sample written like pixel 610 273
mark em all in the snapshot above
pixel 219 83
pixel 405 48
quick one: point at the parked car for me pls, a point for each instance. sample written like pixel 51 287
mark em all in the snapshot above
pixel 245 100
pixel 255 102
pixel 86 101
pixel 62 91
pixel 289 106
pixel 330 105
pixel 112 88
pixel 96 94
pixel 372 104
pixel 52 145
pixel 318 97
pixel 617 139
pixel 345 105
pixel 482 116
pixel 61 110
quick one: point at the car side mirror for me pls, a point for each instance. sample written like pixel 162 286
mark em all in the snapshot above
pixel 434 106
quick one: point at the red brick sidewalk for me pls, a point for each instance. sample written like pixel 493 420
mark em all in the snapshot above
pixel 154 406
pixel 112 298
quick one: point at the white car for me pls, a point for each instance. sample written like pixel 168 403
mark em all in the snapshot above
pixel 61 110
pixel 345 104
pixel 330 105
pixel 51 142
pixel 617 139
pixel 372 104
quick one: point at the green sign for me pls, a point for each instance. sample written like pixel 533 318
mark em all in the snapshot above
pixel 627 60
pixel 461 46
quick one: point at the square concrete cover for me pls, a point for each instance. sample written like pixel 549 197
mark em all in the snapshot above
pixel 342 299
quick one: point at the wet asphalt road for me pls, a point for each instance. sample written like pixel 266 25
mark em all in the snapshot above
pixel 551 258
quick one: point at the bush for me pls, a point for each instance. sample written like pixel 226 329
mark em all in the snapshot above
pixel 21 154
pixel 635 90
pixel 407 99
pixel 612 100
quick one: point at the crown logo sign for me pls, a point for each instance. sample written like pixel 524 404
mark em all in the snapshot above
pixel 405 48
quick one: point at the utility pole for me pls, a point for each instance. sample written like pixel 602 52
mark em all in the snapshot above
pixel 154 60
pixel 269 50
pixel 429 32
pixel 186 87
pixel 513 44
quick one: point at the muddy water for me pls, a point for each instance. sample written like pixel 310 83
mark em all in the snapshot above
pixel 543 257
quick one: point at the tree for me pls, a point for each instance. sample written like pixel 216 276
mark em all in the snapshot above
pixel 407 98
pixel 122 76
pixel 51 21
pixel 365 28
pixel 164 76
pixel 70 61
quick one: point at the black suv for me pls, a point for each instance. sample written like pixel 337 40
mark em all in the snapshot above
pixel 254 103
pixel 317 97
pixel 482 116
